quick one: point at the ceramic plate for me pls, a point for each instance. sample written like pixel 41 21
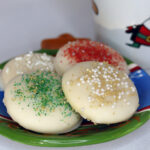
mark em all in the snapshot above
pixel 87 133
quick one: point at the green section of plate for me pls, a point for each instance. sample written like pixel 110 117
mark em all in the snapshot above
pixel 86 134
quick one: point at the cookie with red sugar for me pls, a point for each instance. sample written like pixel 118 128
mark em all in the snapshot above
pixel 86 50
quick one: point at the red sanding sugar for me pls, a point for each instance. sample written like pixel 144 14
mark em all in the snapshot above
pixel 86 50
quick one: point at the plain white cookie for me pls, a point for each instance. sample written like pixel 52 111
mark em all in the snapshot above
pixel 32 104
pixel 100 93
pixel 27 63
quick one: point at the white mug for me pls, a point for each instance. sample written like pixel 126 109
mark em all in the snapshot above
pixel 125 26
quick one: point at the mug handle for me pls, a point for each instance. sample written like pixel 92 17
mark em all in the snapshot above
pixel 95 8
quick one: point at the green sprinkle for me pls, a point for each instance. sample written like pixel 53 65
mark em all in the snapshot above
pixel 43 92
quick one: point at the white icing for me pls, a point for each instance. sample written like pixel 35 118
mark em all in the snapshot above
pixel 109 97
pixel 27 63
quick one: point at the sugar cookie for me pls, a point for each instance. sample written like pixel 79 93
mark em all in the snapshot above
pixel 100 92
pixel 36 102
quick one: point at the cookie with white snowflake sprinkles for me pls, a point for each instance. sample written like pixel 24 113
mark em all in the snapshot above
pixel 100 92
pixel 36 102
pixel 27 63
pixel 86 50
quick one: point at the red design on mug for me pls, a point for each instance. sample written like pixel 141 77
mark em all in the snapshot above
pixel 140 34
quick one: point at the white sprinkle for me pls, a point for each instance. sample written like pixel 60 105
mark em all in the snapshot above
pixel 124 78
pixel 29 62
pixel 98 67
pixel 97 90
pixel 108 88
pixel 82 81
pixel 122 93
pixel 104 76
pixel 122 83
pixel 113 79
pixel 18 58
pixel 102 104
pixel 118 84
pixel 78 84
pixel 7 70
pixel 19 72
pixel 29 54
pixel 102 90
pixel 93 88
pixel 114 96
pixel 126 86
pixel 90 83
pixel 89 98
pixel 93 76
pixel 68 83
pixel 47 68
pixel 128 103
pixel 114 103
pixel 113 106
pixel 45 57
pixel 119 97
pixel 99 85
pixel 101 94
pixel 133 89
pixel 124 100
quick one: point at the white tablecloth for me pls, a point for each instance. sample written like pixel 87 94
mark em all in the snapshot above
pixel 24 23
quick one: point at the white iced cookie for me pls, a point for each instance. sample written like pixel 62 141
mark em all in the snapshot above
pixel 86 50
pixel 27 63
pixel 100 92
pixel 36 102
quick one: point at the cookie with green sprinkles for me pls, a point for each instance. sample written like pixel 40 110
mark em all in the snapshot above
pixel 36 102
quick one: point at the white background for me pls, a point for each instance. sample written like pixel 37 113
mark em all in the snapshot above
pixel 24 23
